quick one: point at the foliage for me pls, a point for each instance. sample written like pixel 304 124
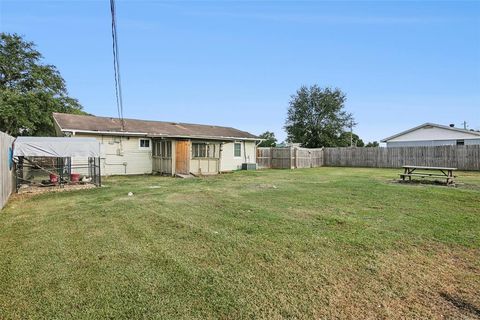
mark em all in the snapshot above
pixel 373 144
pixel 348 139
pixel 316 117
pixel 252 244
pixel 29 90
pixel 270 140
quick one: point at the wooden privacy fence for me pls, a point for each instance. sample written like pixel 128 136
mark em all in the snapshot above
pixel 461 157
pixel 7 183
pixel 289 158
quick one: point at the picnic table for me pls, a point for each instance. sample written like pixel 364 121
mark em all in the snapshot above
pixel 426 172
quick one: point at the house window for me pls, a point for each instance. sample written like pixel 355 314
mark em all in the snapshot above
pixel 204 150
pixel 144 143
pixel 237 149
pixel 199 150
pixel 460 142
pixel 162 149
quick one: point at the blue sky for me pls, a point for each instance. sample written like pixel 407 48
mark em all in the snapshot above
pixel 237 63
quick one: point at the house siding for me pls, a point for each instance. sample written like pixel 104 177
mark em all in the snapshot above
pixel 435 134
pixel 430 143
pixel 430 135
pixel 119 156
pixel 229 162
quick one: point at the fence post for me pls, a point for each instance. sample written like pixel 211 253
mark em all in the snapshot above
pixel 271 157
pixel 295 153
pixel 323 157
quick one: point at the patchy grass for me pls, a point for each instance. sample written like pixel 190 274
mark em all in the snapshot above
pixel 313 243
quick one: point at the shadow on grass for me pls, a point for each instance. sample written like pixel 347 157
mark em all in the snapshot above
pixel 416 182
pixel 426 182
pixel 461 304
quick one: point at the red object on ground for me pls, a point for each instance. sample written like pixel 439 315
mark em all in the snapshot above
pixel 53 178
pixel 74 177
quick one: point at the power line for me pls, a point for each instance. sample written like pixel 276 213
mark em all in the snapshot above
pixel 116 65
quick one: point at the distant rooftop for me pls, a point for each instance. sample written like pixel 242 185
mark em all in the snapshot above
pixel 429 124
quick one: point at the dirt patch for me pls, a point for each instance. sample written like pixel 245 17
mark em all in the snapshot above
pixel 34 190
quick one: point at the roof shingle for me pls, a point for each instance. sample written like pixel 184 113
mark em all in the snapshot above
pixel 71 122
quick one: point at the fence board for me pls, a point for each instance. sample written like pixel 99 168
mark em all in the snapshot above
pixel 6 173
pixel 289 158
pixel 264 158
pixel 282 158
pixel 461 157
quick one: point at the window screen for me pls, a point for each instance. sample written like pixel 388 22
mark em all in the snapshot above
pixel 204 150
pixel 162 149
pixel 237 152
pixel 199 150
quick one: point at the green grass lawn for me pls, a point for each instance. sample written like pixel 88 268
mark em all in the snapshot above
pixel 309 243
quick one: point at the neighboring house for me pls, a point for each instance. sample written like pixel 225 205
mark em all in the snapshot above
pixel 431 134
pixel 144 147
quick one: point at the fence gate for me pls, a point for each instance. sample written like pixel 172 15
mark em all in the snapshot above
pixel 289 158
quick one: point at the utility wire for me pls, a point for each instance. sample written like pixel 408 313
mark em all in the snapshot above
pixel 116 65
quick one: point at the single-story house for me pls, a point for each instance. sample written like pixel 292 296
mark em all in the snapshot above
pixel 431 134
pixel 143 147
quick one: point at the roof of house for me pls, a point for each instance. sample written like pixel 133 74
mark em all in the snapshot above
pixel 429 124
pixel 107 125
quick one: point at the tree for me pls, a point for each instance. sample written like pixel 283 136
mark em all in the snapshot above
pixel 373 144
pixel 29 90
pixel 346 140
pixel 270 140
pixel 316 117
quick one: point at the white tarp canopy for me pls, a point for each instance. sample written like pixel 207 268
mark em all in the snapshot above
pixel 56 147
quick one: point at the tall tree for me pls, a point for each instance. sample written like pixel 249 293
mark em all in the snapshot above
pixel 373 144
pixel 348 139
pixel 29 90
pixel 270 140
pixel 316 117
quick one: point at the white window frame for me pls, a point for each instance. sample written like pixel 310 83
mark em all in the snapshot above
pixel 235 156
pixel 144 148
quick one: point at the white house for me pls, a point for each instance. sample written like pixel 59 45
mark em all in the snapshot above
pixel 431 134
pixel 143 147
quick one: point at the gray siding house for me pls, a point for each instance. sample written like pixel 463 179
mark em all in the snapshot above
pixel 431 134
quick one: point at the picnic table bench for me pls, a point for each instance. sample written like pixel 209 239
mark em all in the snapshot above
pixel 442 172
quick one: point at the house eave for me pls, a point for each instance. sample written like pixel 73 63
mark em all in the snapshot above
pixel 107 133
pixel 144 134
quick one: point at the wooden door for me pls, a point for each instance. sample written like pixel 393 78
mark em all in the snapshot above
pixel 181 157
